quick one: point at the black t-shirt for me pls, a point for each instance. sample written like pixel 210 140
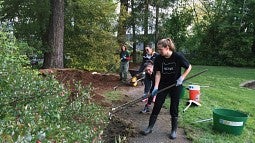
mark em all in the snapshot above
pixel 170 68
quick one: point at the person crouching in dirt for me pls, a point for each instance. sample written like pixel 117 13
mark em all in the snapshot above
pixel 151 77
pixel 124 63
pixel 149 56
pixel 168 72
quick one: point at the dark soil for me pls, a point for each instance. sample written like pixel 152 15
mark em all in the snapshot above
pixel 99 83
pixel 119 128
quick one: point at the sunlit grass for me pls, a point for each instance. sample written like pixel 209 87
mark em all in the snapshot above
pixel 223 92
pixel 113 95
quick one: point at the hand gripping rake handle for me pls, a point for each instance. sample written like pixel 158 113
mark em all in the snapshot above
pixel 183 81
pixel 118 108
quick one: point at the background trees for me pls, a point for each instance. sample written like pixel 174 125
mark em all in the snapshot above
pixel 213 33
pixel 210 32
pixel 224 34
pixel 90 41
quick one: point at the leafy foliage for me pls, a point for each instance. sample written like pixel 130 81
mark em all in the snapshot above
pixel 36 108
pixel 176 26
pixel 29 21
pixel 89 39
pixel 214 33
pixel 89 30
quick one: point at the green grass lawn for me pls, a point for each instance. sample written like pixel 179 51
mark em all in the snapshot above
pixel 223 92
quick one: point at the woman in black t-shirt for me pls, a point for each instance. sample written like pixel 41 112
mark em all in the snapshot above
pixel 167 68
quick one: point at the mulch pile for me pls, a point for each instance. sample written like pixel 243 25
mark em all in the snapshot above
pixel 99 83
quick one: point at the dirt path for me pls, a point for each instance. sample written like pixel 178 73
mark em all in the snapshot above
pixel 140 121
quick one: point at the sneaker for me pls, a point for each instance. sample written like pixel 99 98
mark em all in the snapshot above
pixel 145 110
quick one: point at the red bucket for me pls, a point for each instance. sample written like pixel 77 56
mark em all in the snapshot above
pixel 194 92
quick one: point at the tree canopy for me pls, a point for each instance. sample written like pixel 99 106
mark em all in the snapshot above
pixel 210 32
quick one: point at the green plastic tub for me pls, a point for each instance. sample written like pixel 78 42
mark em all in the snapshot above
pixel 229 121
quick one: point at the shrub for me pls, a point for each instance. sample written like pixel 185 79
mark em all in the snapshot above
pixel 35 108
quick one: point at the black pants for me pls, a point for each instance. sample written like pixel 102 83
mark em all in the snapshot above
pixel 174 94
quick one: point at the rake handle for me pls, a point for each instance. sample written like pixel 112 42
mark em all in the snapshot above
pixel 183 81
pixel 118 108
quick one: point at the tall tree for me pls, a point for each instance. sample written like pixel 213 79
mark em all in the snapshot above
pixel 29 20
pixel 159 16
pixel 122 24
pixel 133 18
pixel 90 41
pixel 176 25
pixel 53 57
pixel 248 15
pixel 41 24
pixel 146 24
pixel 156 21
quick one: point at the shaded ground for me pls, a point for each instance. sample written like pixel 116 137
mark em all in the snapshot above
pixel 128 122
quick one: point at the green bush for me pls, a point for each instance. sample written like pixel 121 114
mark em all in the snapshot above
pixel 35 108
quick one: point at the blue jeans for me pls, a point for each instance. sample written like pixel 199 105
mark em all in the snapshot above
pixel 124 70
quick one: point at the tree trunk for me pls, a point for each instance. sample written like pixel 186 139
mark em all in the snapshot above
pixel 53 57
pixel 156 23
pixel 253 47
pixel 122 28
pixel 134 32
pixel 146 18
pixel 253 43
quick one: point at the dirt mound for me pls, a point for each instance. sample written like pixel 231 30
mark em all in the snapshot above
pixel 99 83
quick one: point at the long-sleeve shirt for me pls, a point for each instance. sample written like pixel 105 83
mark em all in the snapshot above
pixel 124 56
